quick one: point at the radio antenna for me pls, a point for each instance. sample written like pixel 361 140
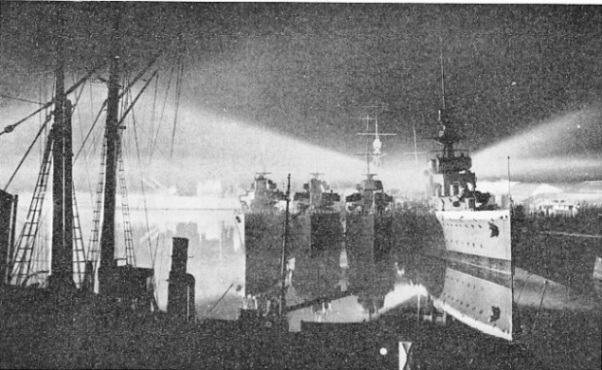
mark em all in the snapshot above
pixel 442 72
pixel 509 193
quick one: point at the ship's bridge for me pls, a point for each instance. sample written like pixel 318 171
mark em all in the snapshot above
pixel 455 160
pixel 451 176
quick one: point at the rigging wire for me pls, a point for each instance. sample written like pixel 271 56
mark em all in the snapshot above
pixel 154 259
pixel 153 143
pixel 154 140
pixel 28 151
pixel 138 76
pixel 153 113
pixel 131 106
pixel 124 104
pixel 10 128
pixel 35 258
pixel 41 116
pixel 21 99
pixel 178 94
pixel 91 189
pixel 148 231
pixel 90 131
pixel 123 117
pixel 120 169
pixel 77 97
pixel 136 141
pixel 81 131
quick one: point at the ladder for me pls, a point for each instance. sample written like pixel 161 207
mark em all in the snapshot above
pixel 93 245
pixel 130 256
pixel 79 260
pixel 26 242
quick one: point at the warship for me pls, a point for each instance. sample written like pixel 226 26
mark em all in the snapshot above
pixel 369 211
pixel 315 226
pixel 537 320
pixel 263 197
pixel 467 225
pixel 320 209
pixel 474 228
pixel 264 229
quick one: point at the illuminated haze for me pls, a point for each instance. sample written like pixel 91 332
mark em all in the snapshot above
pixel 563 148
pixel 281 87
pixel 207 146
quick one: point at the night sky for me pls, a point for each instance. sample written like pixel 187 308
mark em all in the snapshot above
pixel 312 71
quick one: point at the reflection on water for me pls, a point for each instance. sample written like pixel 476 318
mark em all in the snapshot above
pixel 361 292
pixel 455 315
pixel 548 323
pixel 481 303
pixel 216 250
pixel 452 316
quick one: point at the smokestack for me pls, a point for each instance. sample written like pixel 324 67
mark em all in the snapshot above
pixel 179 255
pixel 180 293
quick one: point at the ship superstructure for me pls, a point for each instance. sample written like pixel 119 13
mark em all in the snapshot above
pixel 560 242
pixel 263 197
pixel 264 225
pixel 319 211
pixel 317 196
pixel 369 210
pixel 474 230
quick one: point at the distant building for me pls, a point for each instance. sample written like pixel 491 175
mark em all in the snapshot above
pixel 554 207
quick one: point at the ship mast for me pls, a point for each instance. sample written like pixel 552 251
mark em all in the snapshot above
pixel 376 153
pixel 442 76
pixel 454 165
pixel 284 255
pixel 112 137
pixel 62 190
pixel 446 137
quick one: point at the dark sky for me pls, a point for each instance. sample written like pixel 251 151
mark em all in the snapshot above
pixel 311 70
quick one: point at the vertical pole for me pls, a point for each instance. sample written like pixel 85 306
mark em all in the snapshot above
pixel 6 226
pixel 442 73
pixel 284 252
pixel 60 257
pixel 509 192
pixel 415 146
pixel 107 237
pixel 367 146
pixel 11 244
pixel 68 188
pixel 418 312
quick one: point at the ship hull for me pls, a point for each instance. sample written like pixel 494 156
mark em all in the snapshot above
pixel 479 300
pixel 369 237
pixel 264 237
pixel 558 248
pixel 480 238
pixel 325 232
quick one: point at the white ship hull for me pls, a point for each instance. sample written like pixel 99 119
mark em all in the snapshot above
pixel 482 238
pixel 477 302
